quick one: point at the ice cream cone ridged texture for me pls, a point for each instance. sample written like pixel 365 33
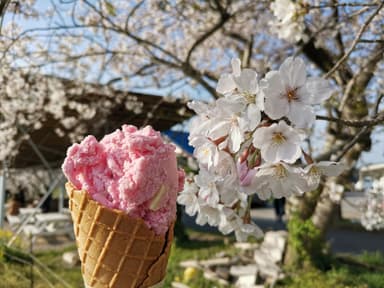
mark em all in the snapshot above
pixel 131 170
pixel 116 250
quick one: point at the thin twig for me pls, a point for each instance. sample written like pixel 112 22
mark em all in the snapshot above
pixel 355 41
pixel 354 123
pixel 223 19
pixel 371 40
pixel 351 4
pixel 361 132
pixel 351 143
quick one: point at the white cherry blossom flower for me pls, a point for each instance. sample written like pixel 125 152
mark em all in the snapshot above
pixel 279 180
pixel 226 125
pixel 289 93
pixel 239 157
pixel 314 172
pixel 208 215
pixel 206 152
pixel 226 167
pixel 373 209
pixel 230 221
pixel 246 230
pixel 245 173
pixel 202 108
pixel 242 85
pixel 208 190
pixel 289 24
pixel 335 192
pixel 188 198
pixel 278 142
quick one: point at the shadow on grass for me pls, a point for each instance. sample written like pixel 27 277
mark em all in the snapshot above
pixel 197 239
pixel 200 244
pixel 359 271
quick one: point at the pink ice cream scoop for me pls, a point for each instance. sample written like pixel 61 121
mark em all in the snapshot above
pixel 130 169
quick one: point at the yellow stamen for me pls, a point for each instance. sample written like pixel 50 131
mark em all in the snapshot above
pixel 291 95
pixel 278 138
pixel 314 172
pixel 251 98
pixel 281 172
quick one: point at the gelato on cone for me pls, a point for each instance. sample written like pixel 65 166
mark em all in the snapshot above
pixel 115 249
pixel 123 193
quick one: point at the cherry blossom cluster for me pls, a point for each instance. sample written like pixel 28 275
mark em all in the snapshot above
pixel 250 142
pixel 373 211
pixel 28 100
pixel 31 180
pixel 289 20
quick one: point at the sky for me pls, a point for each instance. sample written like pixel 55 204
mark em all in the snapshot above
pixel 376 155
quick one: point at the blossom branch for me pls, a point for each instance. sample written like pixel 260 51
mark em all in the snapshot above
pixel 371 40
pixel 3 8
pixel 354 123
pixel 223 19
pixel 351 4
pixel 355 41
pixel 361 132
pixel 351 143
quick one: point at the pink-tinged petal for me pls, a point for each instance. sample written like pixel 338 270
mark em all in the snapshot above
pixel 226 84
pixel 246 175
pixel 293 72
pixel 242 169
pixel 319 90
pixel 302 116
pixel 270 153
pixel 289 152
pixel 247 180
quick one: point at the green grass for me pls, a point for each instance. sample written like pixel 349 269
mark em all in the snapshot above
pixel 198 248
pixel 16 275
pixel 363 271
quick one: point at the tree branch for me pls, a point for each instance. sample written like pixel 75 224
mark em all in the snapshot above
pixel 223 19
pixel 354 123
pixel 355 41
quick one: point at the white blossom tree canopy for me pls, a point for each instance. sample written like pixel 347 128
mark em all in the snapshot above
pixel 182 47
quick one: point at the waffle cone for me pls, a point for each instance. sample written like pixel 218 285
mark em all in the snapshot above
pixel 116 250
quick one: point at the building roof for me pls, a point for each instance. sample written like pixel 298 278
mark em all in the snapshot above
pixel 373 170
pixel 154 111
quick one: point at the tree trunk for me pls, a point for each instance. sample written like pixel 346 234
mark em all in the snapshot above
pixel 312 213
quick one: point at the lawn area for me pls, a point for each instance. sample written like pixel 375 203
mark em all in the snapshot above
pixel 363 271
